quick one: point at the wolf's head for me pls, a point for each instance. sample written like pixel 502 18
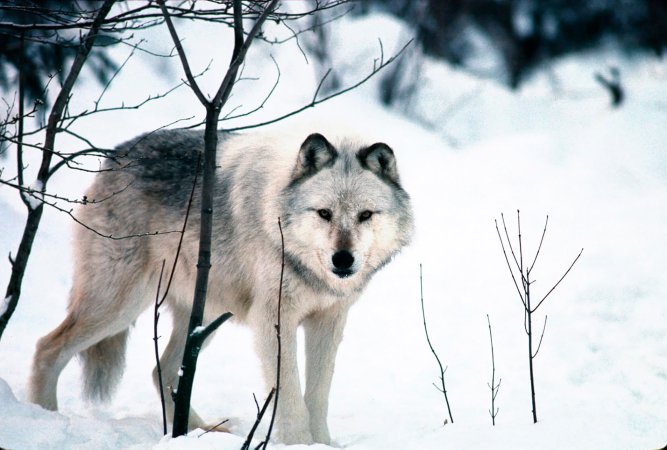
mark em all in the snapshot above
pixel 345 213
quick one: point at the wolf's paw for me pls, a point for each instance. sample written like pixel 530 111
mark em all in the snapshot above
pixel 321 435
pixel 289 434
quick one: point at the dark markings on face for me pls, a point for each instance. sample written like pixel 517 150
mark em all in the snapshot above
pixel 379 159
pixel 315 154
pixel 344 240
pixel 306 275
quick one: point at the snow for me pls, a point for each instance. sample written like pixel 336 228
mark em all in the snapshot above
pixel 34 195
pixel 5 304
pixel 468 150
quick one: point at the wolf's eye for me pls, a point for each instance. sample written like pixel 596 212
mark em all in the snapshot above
pixel 365 215
pixel 325 214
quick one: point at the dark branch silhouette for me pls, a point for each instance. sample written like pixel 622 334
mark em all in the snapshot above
pixel 525 294
pixel 442 389
pixel 493 386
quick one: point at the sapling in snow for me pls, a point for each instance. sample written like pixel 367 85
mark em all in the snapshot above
pixel 495 387
pixel 442 387
pixel 524 272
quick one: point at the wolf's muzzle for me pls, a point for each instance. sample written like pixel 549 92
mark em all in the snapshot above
pixel 342 261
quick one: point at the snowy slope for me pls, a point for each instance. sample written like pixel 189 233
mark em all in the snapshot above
pixel 601 176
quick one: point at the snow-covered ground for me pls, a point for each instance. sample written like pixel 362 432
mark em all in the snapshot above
pixel 468 150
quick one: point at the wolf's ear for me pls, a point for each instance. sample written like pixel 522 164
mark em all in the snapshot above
pixel 315 153
pixel 379 159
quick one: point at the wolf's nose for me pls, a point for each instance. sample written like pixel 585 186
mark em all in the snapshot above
pixel 342 259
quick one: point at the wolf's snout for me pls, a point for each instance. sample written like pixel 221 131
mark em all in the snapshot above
pixel 342 261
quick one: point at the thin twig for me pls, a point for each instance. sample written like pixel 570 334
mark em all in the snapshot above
pixel 258 420
pixel 509 242
pixel 278 337
pixel 214 427
pixel 561 279
pixel 493 386
pixel 159 302
pixel 314 103
pixel 539 247
pixel 428 340
pixel 238 55
pixel 525 279
pixel 509 265
pixel 229 115
pixel 185 223
pixel 181 53
pixel 156 318
pixel 19 144
pixel 539 345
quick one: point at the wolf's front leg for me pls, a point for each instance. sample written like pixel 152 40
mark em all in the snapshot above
pixel 324 331
pixel 292 416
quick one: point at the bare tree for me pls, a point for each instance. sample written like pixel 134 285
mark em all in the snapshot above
pixel 261 11
pixel 57 34
pixel 36 208
pixel 213 108
pixel 493 386
pixel 442 388
pixel 524 273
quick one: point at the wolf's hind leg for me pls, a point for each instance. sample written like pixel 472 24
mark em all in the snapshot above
pixel 52 355
pixel 75 334
pixel 97 323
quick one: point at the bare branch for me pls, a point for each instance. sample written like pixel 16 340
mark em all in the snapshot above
pixel 320 7
pixel 544 327
pixel 185 223
pixel 70 213
pixel 319 86
pixel 239 52
pixel 314 103
pixel 428 340
pixel 38 195
pixel 278 337
pixel 509 243
pixel 539 247
pixel 33 220
pixel 181 53
pixel 493 386
pixel 258 420
pixel 561 279
pixel 214 427
pixel 509 265
pixel 115 74
pixel 229 115
pixel 21 118
pixel 158 368
pixel 518 224
pixel 65 93
pixel 200 334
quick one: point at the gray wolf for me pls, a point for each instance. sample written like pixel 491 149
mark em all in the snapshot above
pixel 344 215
